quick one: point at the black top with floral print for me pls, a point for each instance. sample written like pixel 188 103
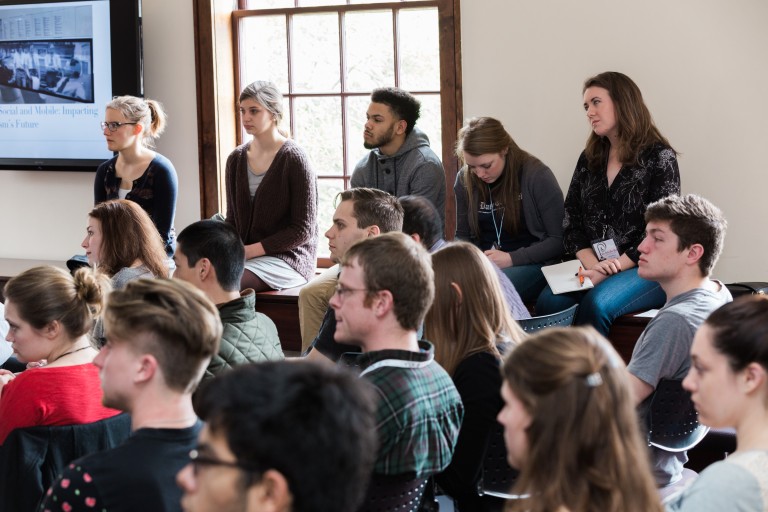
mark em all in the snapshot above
pixel 594 211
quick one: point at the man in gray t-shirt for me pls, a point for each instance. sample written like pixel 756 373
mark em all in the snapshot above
pixel 684 238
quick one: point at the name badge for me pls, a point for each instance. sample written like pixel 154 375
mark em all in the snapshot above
pixel 606 249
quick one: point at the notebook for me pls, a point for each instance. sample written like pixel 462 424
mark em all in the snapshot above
pixel 563 277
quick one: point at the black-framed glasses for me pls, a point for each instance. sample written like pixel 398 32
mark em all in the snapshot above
pixel 113 126
pixel 197 460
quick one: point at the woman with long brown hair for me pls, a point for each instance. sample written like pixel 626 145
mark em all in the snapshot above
pixel 627 164
pixel 122 242
pixel 571 427
pixel 469 324
pixel 508 203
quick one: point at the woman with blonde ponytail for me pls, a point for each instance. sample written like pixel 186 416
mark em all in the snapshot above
pixel 50 313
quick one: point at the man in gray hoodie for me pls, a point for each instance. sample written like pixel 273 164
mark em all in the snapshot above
pixel 401 161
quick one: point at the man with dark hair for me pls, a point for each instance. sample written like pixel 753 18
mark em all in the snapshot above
pixel 361 213
pixel 210 256
pixel 385 288
pixel 401 161
pixel 422 223
pixel 684 238
pixel 161 335
pixel 283 437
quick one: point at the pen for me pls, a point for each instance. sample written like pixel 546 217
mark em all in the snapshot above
pixel 580 276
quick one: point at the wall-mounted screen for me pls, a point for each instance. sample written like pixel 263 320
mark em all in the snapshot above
pixel 60 63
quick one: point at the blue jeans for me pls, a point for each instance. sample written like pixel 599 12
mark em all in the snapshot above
pixel 528 280
pixel 621 293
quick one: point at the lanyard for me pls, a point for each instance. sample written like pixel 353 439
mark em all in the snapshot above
pixel 496 227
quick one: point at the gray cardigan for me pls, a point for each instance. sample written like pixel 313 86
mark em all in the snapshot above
pixel 542 208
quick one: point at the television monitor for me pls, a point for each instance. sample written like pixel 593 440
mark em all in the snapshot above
pixel 60 64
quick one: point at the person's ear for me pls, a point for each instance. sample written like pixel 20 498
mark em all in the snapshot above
pixel 754 377
pixel 52 330
pixel 147 367
pixel 401 127
pixel 695 253
pixel 373 230
pixel 270 494
pixel 203 268
pixel 457 290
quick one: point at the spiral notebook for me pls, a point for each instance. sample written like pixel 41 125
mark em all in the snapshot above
pixel 563 277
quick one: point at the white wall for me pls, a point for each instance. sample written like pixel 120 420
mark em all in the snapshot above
pixel 702 68
pixel 701 65
pixel 43 214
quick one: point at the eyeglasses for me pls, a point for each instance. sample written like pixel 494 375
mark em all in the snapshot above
pixel 113 126
pixel 343 292
pixel 198 460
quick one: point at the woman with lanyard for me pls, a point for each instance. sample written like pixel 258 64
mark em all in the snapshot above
pixel 626 165
pixel 508 203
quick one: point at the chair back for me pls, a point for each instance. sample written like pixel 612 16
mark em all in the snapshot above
pixel 561 319
pixel 32 458
pixel 401 493
pixel 496 477
pixel 673 423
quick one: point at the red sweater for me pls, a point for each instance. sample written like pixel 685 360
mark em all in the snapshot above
pixel 65 395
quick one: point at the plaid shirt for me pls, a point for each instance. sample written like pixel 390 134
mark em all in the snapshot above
pixel 419 413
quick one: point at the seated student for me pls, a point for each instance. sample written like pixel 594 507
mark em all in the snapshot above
pixel 422 222
pixel 210 256
pixel 122 242
pixel 137 172
pixel 361 213
pixel 508 203
pixel 256 452
pixel 162 335
pixel 684 237
pixel 626 165
pixel 571 428
pixel 385 288
pixel 271 194
pixel 50 313
pixel 400 161
pixel 470 326
pixel 728 381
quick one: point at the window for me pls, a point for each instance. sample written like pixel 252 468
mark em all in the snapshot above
pixel 326 56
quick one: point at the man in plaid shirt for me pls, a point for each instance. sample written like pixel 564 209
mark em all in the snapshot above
pixel 384 290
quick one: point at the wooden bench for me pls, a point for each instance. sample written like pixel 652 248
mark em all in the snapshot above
pixel 283 308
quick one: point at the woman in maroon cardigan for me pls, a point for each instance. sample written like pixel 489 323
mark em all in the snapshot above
pixel 271 196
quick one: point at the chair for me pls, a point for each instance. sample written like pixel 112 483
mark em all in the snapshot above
pixel 396 493
pixel 561 319
pixel 716 446
pixel 496 477
pixel 32 458
pixel 673 423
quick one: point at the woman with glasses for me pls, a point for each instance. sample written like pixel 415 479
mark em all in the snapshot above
pixel 271 196
pixel 137 172
pixel 571 428
pixel 728 381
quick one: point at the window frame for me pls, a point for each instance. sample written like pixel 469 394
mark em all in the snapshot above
pixel 217 77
